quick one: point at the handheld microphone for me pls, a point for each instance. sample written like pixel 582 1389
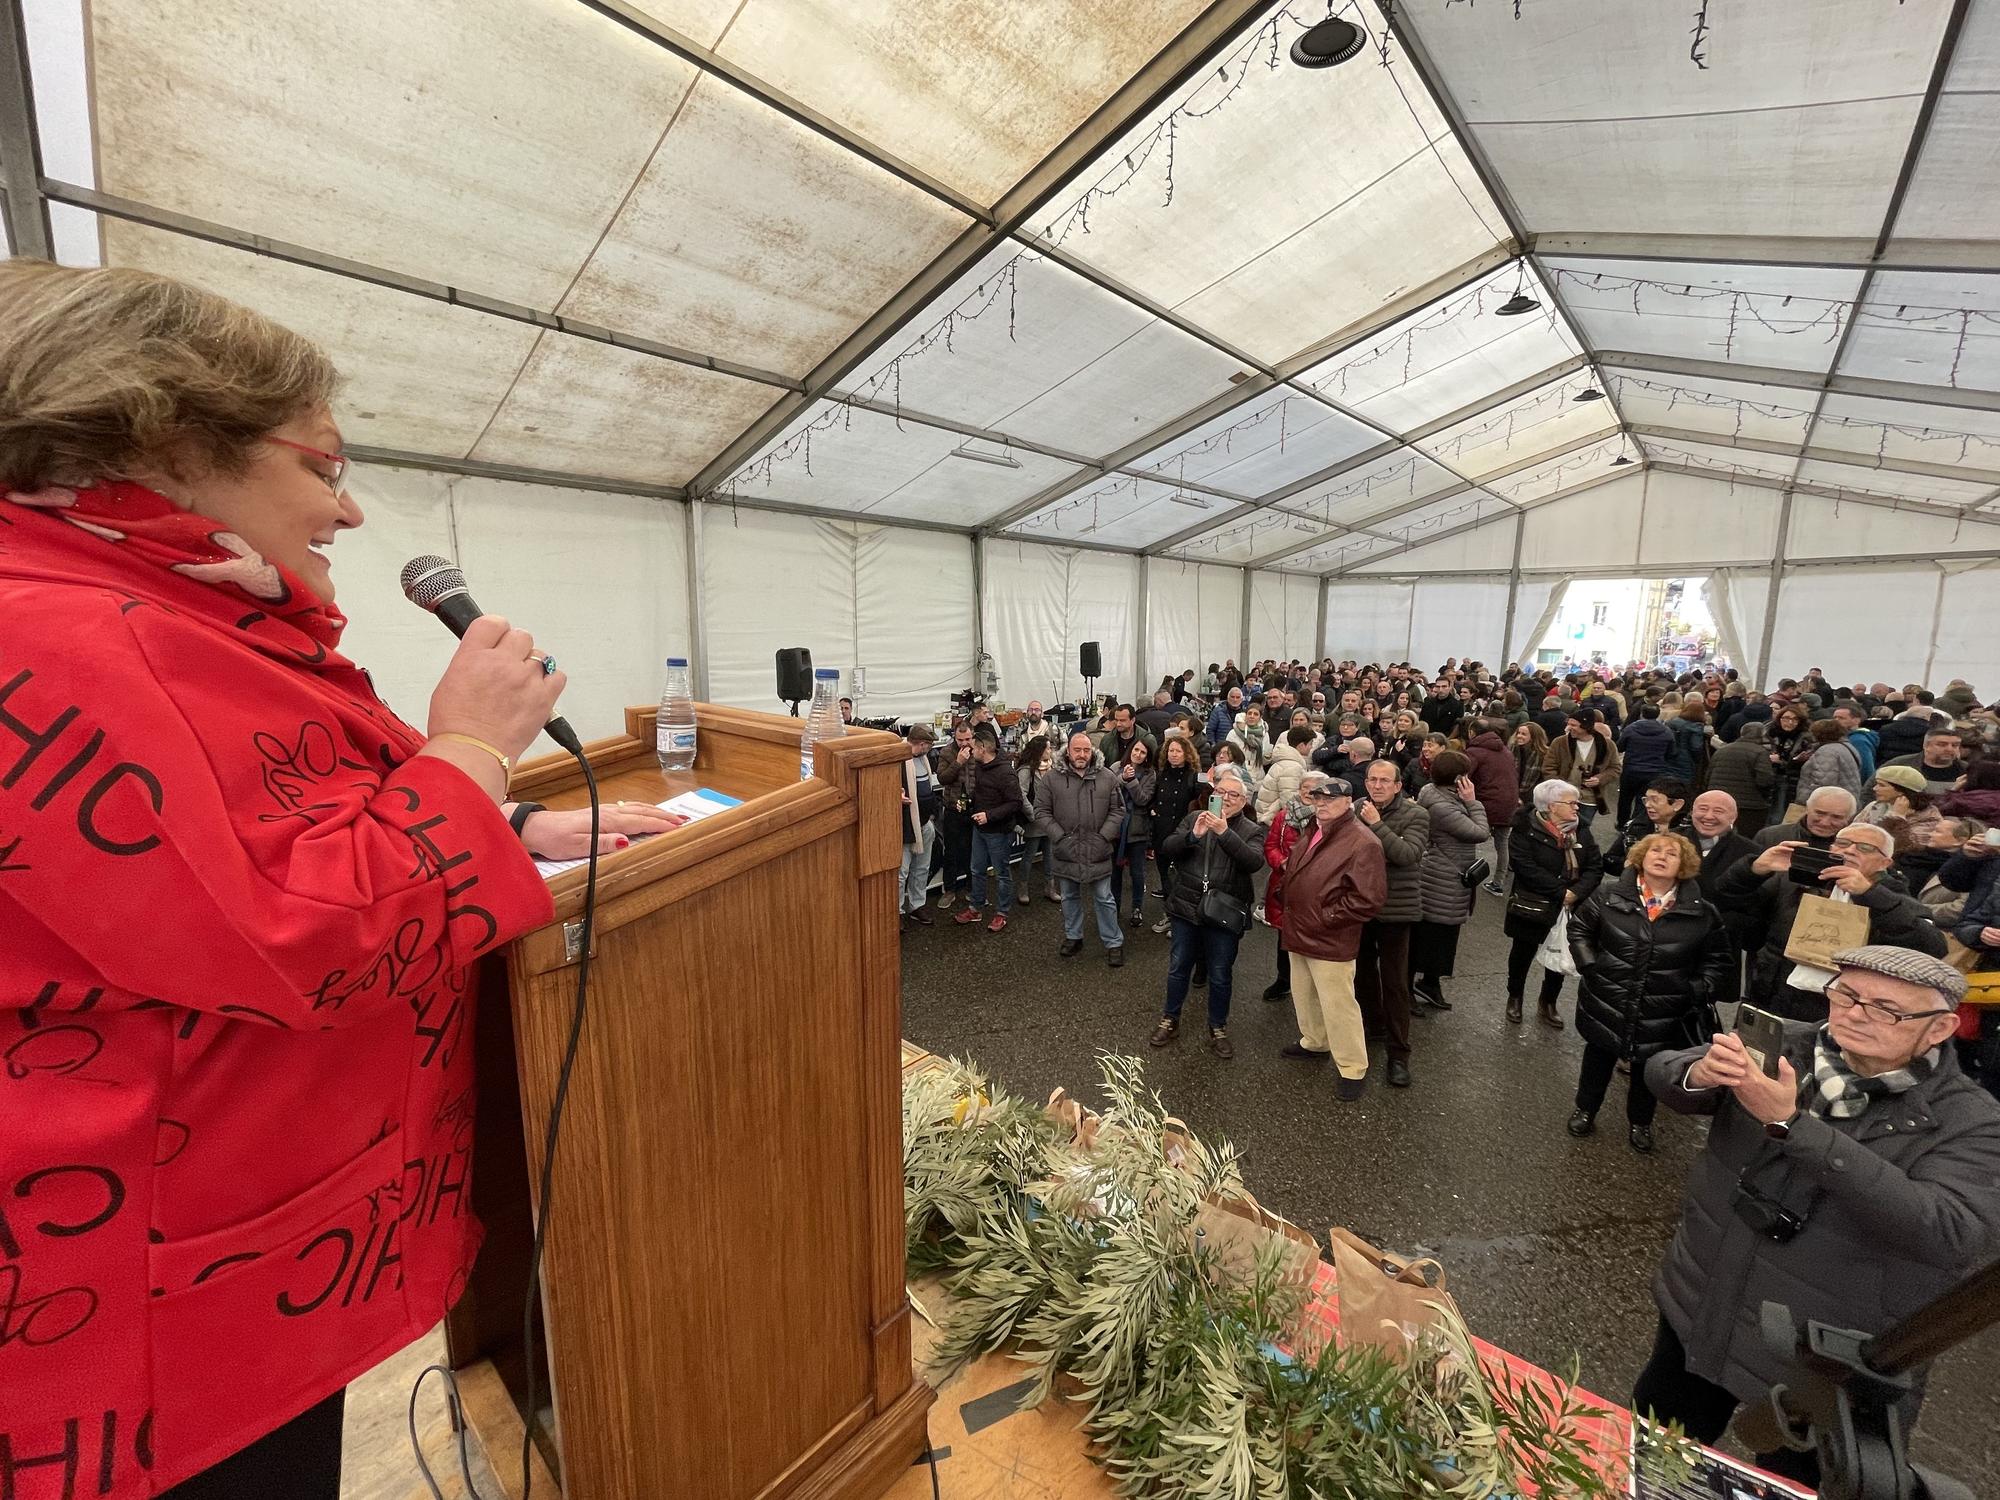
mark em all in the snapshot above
pixel 436 584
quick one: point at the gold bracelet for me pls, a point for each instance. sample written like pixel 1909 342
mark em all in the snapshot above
pixel 506 764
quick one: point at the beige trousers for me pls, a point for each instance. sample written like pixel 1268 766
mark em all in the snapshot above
pixel 1329 1016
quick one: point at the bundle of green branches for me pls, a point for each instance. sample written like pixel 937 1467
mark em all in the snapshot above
pixel 1089 1266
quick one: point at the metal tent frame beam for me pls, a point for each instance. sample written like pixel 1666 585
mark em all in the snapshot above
pixel 1218 26
pixel 1262 377
pixel 1914 467
pixel 1908 392
pixel 1381 518
pixel 28 227
pixel 1415 543
pixel 1803 253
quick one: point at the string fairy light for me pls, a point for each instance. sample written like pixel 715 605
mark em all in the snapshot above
pixel 1676 395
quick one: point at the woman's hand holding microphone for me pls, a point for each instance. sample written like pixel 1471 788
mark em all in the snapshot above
pixel 492 701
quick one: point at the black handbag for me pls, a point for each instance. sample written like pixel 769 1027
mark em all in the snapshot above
pixel 1530 907
pixel 1475 872
pixel 1219 908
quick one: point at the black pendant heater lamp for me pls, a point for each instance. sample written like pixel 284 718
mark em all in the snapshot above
pixel 1588 393
pixel 1516 305
pixel 1331 42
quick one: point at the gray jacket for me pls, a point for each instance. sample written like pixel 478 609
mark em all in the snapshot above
pixel 1900 1202
pixel 1405 832
pixel 1831 764
pixel 1457 831
pixel 1080 815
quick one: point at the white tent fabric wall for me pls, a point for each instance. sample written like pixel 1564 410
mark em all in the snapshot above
pixel 1834 528
pixel 893 600
pixel 1042 603
pixel 600 579
pixel 406 513
pixel 1963 643
pixel 1194 615
pixel 1458 617
pixel 1833 617
pixel 1284 613
pixel 1368 619
pixel 1535 607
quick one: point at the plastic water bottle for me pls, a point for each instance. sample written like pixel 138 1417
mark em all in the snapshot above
pixel 824 722
pixel 673 731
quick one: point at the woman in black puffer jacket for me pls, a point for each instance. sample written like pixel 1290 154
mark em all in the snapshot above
pixel 1176 791
pixel 1652 954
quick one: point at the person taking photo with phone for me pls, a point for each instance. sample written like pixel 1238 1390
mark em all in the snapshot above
pixel 1852 1179
pixel 1855 869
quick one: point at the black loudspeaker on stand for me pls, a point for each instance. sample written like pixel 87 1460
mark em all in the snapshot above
pixel 795 676
pixel 1090 667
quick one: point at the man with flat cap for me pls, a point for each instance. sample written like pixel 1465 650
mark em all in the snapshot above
pixel 1853 1188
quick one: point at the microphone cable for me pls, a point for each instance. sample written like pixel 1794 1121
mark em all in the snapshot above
pixel 530 1418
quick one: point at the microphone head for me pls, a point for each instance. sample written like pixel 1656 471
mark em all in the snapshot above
pixel 429 579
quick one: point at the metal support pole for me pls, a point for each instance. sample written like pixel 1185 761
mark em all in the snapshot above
pixel 1320 651
pixel 1243 634
pixel 978 608
pixel 1513 591
pixel 20 145
pixel 1763 677
pixel 697 605
pixel 1139 635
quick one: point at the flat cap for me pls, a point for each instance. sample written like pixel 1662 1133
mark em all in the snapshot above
pixel 1909 778
pixel 1907 965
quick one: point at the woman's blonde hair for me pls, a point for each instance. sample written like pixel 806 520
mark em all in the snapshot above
pixel 1690 856
pixel 103 372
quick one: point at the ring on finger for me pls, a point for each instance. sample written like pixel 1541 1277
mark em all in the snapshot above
pixel 548 662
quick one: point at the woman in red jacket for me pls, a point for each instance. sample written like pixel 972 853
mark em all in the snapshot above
pixel 240 901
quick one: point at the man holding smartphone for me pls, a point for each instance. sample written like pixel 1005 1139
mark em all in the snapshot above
pixel 1855 868
pixel 1854 1186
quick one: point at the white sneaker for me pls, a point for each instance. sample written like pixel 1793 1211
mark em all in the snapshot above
pixel 1257 915
pixel 1162 925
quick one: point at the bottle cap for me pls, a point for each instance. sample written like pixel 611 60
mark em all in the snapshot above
pixel 826 674
pixel 677 661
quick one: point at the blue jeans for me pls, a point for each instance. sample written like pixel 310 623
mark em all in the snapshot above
pixel 917 871
pixel 1107 911
pixel 1133 875
pixel 992 846
pixel 1031 846
pixel 1196 943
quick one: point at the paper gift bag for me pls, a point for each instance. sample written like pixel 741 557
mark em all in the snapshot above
pixel 1238 1229
pixel 1795 813
pixel 1385 1300
pixel 1822 928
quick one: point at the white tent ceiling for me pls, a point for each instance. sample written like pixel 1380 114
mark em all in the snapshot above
pixel 1119 277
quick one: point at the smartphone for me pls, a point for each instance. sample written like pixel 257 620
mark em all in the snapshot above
pixel 1993 838
pixel 1808 862
pixel 1763 1037
pixel 1215 805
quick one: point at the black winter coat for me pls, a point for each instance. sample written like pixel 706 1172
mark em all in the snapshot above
pixel 1900 1202
pixel 1641 984
pixel 1226 861
pixel 1646 744
pixel 1175 792
pixel 1540 870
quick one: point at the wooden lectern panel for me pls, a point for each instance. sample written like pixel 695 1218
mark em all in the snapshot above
pixel 723 1269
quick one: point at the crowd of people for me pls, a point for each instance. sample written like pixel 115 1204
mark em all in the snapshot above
pixel 1674 842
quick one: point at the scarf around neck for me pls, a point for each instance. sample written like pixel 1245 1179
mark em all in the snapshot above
pixel 144 526
pixel 1841 1093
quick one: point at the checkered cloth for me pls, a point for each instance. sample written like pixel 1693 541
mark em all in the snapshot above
pixel 1840 1093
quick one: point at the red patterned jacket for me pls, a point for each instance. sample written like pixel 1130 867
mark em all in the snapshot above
pixel 236 919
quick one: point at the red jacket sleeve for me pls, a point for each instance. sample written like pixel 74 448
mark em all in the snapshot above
pixel 204 825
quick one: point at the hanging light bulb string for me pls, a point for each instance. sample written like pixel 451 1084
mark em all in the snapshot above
pixel 1686 395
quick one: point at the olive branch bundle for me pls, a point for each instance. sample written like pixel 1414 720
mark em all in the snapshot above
pixel 1085 1261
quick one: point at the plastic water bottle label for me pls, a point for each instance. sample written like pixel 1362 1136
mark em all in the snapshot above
pixel 676 739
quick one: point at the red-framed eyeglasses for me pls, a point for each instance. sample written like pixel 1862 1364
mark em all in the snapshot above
pixel 336 481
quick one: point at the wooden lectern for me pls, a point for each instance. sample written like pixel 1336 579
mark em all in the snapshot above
pixel 723 1278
